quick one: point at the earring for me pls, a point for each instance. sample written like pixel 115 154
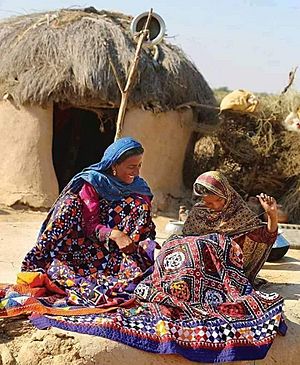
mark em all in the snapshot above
pixel 114 172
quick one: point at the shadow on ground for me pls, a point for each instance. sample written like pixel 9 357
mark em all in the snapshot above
pixel 11 328
pixel 286 263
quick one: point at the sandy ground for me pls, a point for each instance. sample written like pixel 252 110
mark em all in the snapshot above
pixel 18 231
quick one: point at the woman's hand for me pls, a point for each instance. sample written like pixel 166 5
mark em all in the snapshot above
pixel 268 203
pixel 270 207
pixel 123 241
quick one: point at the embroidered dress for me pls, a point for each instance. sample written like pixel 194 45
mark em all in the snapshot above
pixel 81 269
pixel 197 303
pixel 90 271
pixel 236 219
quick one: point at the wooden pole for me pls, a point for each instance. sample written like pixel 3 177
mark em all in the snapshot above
pixel 131 78
pixel 292 74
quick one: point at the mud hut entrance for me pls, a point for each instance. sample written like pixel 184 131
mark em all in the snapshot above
pixel 80 137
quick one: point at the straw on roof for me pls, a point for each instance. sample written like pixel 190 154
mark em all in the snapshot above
pixel 63 56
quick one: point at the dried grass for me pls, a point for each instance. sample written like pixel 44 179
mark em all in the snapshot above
pixel 63 56
pixel 291 201
pixel 255 152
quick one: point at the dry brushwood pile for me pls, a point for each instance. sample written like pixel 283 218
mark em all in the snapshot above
pixel 256 154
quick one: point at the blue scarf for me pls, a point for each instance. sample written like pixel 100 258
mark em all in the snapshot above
pixel 107 186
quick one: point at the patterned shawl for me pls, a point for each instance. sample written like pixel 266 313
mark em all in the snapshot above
pixel 107 186
pixel 235 218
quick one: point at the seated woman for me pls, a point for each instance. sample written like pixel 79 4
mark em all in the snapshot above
pixel 96 243
pixel 221 209
pixel 198 302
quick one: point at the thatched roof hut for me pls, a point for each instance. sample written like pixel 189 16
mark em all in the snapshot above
pixel 56 75
pixel 63 56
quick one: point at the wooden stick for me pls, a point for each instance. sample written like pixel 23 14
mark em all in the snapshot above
pixel 131 78
pixel 292 74
pixel 115 74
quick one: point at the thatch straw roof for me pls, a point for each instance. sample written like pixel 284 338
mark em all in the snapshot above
pixel 63 56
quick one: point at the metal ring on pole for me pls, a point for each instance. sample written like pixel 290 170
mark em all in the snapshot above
pixel 157 28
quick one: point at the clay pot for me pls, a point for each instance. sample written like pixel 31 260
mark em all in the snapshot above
pixel 174 227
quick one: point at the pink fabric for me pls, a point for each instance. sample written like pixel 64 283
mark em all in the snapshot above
pixel 90 212
pixel 147 199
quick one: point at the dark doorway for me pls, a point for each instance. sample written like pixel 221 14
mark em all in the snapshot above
pixel 80 137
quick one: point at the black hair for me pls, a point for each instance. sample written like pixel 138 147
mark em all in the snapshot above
pixel 133 152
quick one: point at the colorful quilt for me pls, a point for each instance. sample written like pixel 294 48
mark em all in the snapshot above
pixel 35 292
pixel 197 303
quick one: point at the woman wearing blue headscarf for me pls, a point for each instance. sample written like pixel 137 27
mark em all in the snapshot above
pixel 97 241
